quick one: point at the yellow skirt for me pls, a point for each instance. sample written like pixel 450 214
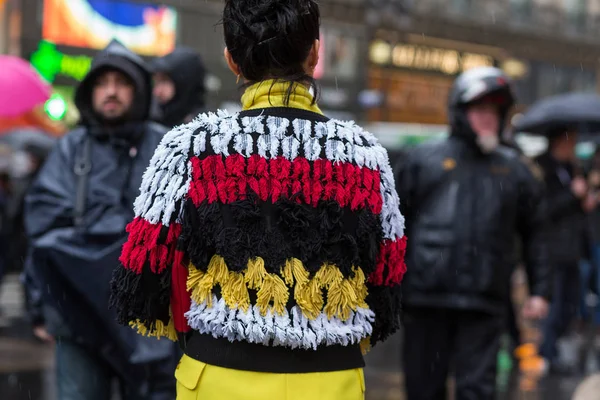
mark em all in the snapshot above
pixel 199 381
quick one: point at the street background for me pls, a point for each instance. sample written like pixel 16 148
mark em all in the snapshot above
pixel 27 367
pixel 388 64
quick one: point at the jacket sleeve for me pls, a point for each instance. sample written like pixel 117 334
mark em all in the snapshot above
pixel 33 292
pixel 145 285
pixel 405 176
pixel 561 203
pixel 531 223
pixel 384 296
pixel 49 200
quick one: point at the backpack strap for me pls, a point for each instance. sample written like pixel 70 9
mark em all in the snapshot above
pixel 82 168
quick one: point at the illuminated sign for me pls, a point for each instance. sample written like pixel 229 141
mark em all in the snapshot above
pixel 409 97
pixel 424 58
pixel 51 62
pixel 56 107
pixel 143 28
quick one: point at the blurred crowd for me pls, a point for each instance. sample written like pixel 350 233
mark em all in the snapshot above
pixel 476 210
pixel 79 205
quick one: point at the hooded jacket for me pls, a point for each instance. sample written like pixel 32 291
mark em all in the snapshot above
pixel 463 207
pixel 186 69
pixel 116 57
pixel 462 211
pixel 75 261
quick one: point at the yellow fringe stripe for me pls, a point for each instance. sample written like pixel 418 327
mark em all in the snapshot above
pixel 309 298
pixel 360 288
pixel 200 285
pixel 158 330
pixel 272 290
pixel 218 269
pixel 344 295
pixel 256 273
pixel 300 274
pixel 235 293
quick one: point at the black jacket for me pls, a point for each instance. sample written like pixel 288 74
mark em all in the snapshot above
pixel 186 69
pixel 72 261
pixel 462 211
pixel 567 224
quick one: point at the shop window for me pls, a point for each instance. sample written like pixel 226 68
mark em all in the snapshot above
pixel 462 6
pixel 553 79
pixel 521 10
pixel 575 12
pixel 339 56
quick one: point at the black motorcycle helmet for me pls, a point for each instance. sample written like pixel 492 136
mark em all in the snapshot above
pixel 472 86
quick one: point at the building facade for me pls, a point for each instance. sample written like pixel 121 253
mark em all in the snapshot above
pixel 381 60
pixel 546 46
pixel 10 27
pixel 55 35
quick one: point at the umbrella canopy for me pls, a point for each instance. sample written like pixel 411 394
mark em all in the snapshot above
pixel 580 111
pixel 29 139
pixel 21 88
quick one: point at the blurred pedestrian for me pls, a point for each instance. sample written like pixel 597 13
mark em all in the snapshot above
pixel 5 220
pixel 179 86
pixel 25 139
pixel 568 200
pixel 464 200
pixel 76 213
pixel 508 139
pixel 258 235
pixel 590 267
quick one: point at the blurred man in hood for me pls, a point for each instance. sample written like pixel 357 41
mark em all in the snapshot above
pixel 465 199
pixel 75 215
pixel 179 86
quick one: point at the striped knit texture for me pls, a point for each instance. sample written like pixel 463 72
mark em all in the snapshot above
pixel 283 232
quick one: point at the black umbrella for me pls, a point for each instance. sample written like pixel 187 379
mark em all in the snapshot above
pixel 579 111
pixel 29 139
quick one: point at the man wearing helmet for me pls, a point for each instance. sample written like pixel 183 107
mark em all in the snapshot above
pixel 464 200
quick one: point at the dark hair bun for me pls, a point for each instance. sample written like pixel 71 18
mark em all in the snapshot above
pixel 271 38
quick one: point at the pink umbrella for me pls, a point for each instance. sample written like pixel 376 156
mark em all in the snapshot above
pixel 21 88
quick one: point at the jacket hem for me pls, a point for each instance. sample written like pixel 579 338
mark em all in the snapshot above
pixel 260 358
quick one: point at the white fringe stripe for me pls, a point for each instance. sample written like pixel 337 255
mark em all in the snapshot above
pixel 166 181
pixel 294 331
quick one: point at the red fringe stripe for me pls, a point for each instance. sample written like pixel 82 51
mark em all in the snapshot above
pixel 228 180
pixel 143 246
pixel 391 259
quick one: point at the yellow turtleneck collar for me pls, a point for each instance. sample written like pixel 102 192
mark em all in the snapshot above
pixel 272 93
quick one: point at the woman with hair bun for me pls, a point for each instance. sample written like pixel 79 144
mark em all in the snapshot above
pixel 268 242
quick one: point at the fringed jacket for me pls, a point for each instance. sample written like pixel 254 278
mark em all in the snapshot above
pixel 267 240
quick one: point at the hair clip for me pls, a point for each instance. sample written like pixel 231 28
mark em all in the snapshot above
pixel 267 40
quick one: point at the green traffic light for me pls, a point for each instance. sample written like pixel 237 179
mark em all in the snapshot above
pixel 56 107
